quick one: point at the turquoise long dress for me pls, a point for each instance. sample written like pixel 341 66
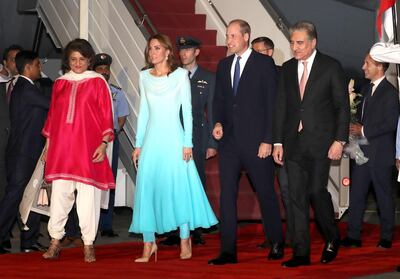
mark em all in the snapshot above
pixel 169 192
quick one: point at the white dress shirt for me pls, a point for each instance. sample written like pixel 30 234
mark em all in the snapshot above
pixel 242 62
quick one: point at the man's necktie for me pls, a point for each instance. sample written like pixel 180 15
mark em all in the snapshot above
pixel 302 86
pixel 9 90
pixel 303 80
pixel 366 99
pixel 189 73
pixel 236 75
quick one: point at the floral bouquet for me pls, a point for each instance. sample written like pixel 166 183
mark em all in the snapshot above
pixel 352 149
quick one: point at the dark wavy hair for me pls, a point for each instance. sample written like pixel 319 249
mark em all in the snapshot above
pixel 83 47
pixel 164 41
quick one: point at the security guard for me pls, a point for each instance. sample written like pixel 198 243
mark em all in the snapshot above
pixel 102 65
pixel 202 87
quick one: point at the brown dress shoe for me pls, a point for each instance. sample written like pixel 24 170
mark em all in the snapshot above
pixel 53 252
pixel 88 251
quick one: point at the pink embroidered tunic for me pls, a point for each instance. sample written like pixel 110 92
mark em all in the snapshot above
pixel 80 116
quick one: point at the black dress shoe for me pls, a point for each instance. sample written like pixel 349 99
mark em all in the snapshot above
pixel 351 242
pixel 171 241
pixel 384 243
pixel 37 247
pixel 109 233
pixel 276 252
pixel 398 269
pixel 330 251
pixel 6 244
pixel 198 240
pixel 224 258
pixel 264 245
pixel 3 251
pixel 297 261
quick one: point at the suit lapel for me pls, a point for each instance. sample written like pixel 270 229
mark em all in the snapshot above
pixel 312 76
pixel 196 74
pixel 374 98
pixel 293 74
pixel 228 71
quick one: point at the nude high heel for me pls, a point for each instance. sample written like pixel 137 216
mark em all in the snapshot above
pixel 188 254
pixel 53 252
pixel 145 258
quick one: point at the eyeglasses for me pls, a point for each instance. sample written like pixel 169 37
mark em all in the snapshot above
pixel 262 50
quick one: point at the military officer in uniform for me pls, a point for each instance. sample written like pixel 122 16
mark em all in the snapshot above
pixel 202 87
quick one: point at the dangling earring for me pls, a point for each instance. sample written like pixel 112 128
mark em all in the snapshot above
pixel 166 58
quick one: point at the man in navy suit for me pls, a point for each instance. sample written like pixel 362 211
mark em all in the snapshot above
pixel 311 127
pixel 246 84
pixel 28 112
pixel 379 116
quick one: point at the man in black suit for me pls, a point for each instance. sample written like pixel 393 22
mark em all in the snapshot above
pixel 5 89
pixel 379 116
pixel 28 111
pixel 9 74
pixel 245 90
pixel 311 127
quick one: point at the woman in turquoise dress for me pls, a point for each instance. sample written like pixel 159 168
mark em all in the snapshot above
pixel 169 193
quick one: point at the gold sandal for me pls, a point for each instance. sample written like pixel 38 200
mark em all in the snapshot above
pixel 88 251
pixel 53 253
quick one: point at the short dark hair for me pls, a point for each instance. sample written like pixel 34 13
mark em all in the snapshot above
pixel 11 48
pixel 267 42
pixel 83 47
pixel 23 58
pixel 385 66
pixel 306 26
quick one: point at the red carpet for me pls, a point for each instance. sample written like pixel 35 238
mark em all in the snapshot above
pixel 116 261
pixel 177 18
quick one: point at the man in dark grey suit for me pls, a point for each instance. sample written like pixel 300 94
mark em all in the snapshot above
pixel 202 84
pixel 245 91
pixel 379 116
pixel 311 127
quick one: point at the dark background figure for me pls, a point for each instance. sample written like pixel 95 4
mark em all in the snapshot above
pixel 102 66
pixel 202 84
pixel 312 120
pixel 28 111
pixel 265 45
pixel 379 117
pixel 9 66
pixel 246 85
pixel 6 87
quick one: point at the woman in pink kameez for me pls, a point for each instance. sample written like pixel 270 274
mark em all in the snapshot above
pixel 78 129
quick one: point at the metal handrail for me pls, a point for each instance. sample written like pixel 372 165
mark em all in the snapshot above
pixel 142 20
pixel 280 21
pixel 217 12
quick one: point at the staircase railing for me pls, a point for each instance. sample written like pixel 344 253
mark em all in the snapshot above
pixel 217 12
pixel 280 21
pixel 141 18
